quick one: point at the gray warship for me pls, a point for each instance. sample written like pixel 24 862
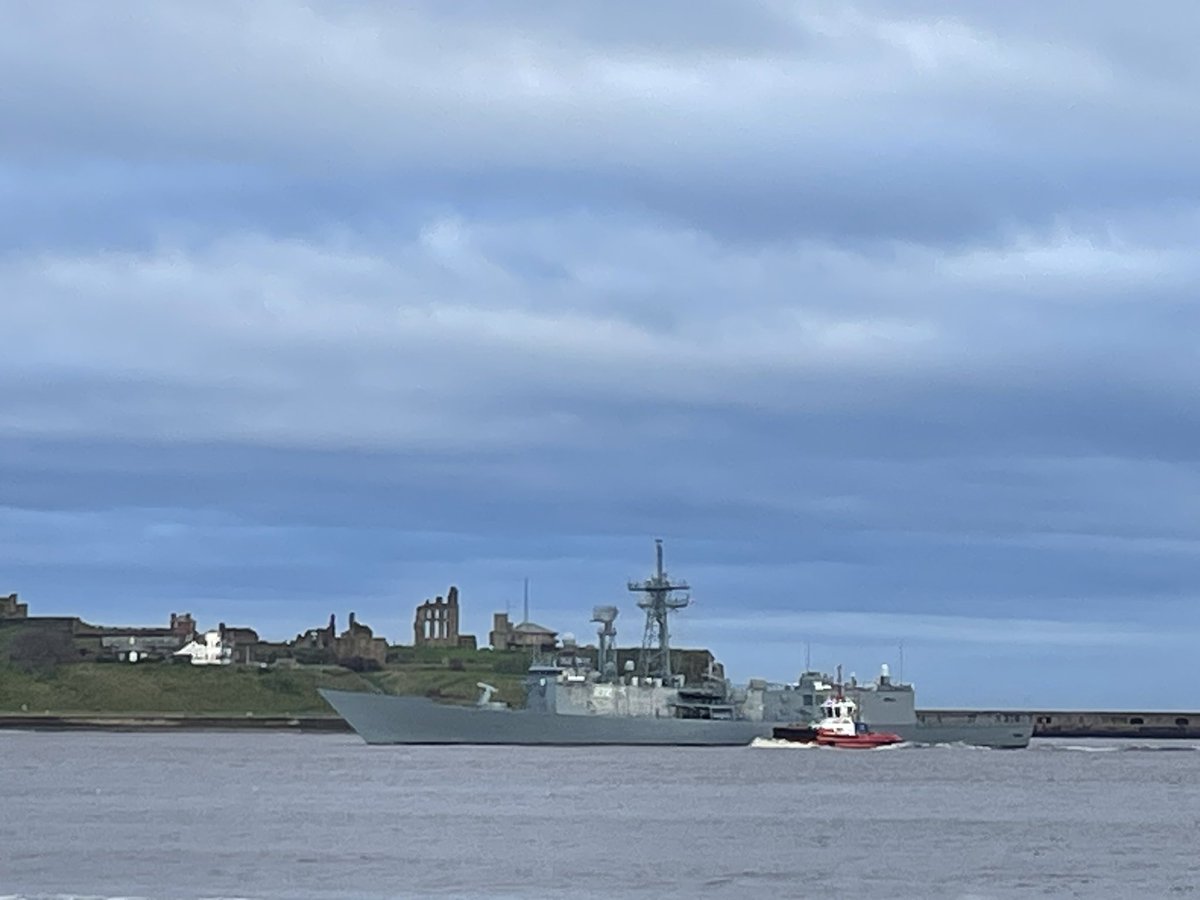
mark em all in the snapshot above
pixel 571 701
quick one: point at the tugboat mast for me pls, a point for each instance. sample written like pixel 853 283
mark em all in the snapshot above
pixel 659 600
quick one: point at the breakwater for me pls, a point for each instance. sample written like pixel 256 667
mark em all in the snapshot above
pixel 1094 723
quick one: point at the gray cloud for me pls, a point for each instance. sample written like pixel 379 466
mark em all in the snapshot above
pixel 857 121
pixel 886 312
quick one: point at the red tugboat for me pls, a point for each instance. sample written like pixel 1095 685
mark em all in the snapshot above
pixel 841 728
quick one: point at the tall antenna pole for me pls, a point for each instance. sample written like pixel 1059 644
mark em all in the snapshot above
pixel 807 656
pixel 526 619
pixel 902 662
pixel 658 600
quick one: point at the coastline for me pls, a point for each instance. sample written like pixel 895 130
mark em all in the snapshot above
pixel 168 722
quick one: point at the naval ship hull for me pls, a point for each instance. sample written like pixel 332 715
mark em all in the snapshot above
pixel 388 719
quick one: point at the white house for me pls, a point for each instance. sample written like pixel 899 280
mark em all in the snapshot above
pixel 210 653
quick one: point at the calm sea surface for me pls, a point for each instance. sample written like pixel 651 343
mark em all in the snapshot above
pixel 325 816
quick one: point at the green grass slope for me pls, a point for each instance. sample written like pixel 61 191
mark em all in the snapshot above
pixel 158 688
pixel 241 690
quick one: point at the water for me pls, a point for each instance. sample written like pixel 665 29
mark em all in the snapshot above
pixel 325 816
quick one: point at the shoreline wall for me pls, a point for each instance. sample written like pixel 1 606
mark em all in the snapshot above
pixel 1103 724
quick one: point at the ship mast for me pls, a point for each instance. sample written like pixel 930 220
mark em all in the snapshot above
pixel 659 599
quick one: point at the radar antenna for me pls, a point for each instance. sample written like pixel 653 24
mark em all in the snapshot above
pixel 658 600
pixel 605 616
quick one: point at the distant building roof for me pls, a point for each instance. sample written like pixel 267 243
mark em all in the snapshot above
pixel 534 628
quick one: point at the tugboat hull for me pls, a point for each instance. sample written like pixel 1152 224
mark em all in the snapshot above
pixel 799 734
pixel 867 740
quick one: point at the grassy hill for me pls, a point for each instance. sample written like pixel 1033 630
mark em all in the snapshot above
pixel 238 690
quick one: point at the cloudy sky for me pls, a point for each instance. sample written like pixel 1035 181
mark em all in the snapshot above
pixel 882 315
